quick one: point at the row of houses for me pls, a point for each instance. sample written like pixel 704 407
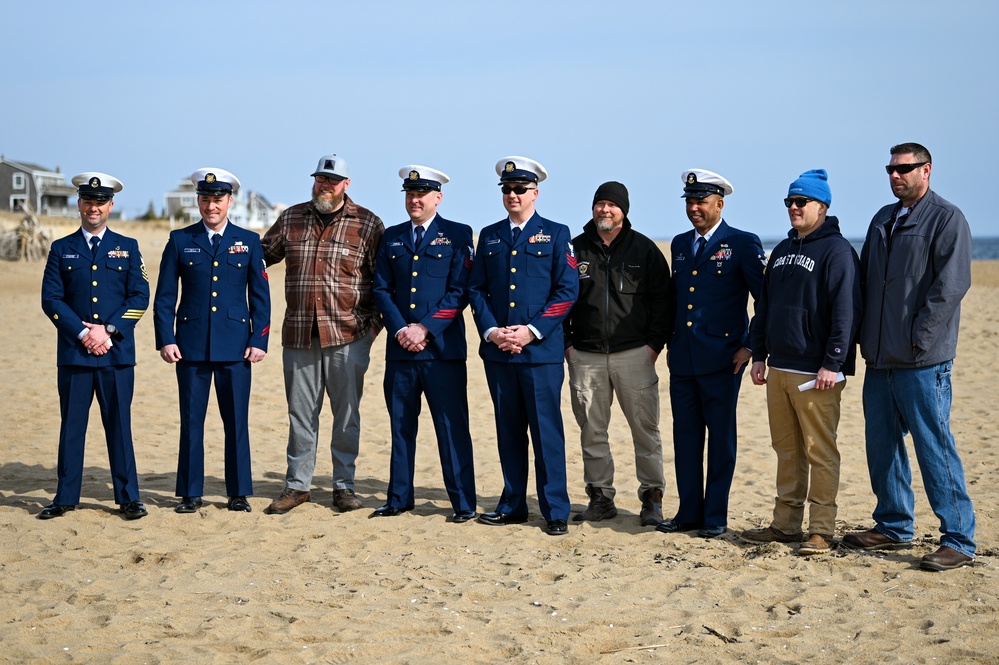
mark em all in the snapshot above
pixel 49 193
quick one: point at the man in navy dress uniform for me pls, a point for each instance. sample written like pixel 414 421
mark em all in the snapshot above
pixel 421 290
pixel 523 284
pixel 715 270
pixel 95 290
pixel 218 330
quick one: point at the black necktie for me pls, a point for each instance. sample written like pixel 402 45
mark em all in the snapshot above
pixel 419 235
pixel 94 242
pixel 516 234
pixel 216 241
pixel 698 246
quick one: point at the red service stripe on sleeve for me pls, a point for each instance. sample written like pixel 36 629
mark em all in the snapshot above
pixel 468 262
pixel 571 260
pixel 558 309
pixel 264 273
pixel 267 329
pixel 445 314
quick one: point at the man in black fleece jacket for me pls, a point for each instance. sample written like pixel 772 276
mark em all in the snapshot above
pixel 805 329
pixel 613 336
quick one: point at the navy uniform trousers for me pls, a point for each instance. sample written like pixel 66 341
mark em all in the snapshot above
pixel 232 391
pixel 437 379
pixel 113 387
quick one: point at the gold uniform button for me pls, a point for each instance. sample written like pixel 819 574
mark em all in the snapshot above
pixel 93 267
pixel 190 263
pixel 216 264
pixel 416 258
pixel 513 304
pixel 719 272
pixel 215 294
pixel 726 334
pixel 513 287
pixel 413 290
pixel 539 252
pixel 93 283
pixel 119 268
pixel 97 316
pixel 513 253
pixel 690 307
pixel 439 255
pixel 214 309
pixel 215 278
pixel 689 324
pixel 693 272
pixel 95 299
pixel 691 289
pixel 513 270
pixel 412 305
pixel 55 317
pixel 415 274
pixel 239 265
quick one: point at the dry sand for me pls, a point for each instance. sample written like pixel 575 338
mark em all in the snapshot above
pixel 317 586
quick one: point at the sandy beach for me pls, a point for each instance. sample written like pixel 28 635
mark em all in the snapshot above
pixel 318 586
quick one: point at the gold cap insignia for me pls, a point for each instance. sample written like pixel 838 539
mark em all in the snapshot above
pixel 95 182
pixel 210 178
pixel 691 178
pixel 414 175
pixel 510 166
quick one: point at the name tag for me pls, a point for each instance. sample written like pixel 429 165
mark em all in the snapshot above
pixel 191 250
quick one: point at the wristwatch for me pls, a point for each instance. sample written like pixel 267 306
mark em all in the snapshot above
pixel 112 330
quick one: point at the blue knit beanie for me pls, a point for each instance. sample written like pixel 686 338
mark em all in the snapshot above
pixel 814 184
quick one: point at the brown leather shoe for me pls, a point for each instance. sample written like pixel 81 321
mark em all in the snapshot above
pixel 817 543
pixel 872 539
pixel 289 499
pixel 770 535
pixel 945 558
pixel 601 506
pixel 652 507
pixel 346 500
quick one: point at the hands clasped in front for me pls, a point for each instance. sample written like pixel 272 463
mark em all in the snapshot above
pixel 512 339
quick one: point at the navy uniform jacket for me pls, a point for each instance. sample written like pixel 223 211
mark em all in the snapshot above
pixel 711 298
pixel 225 303
pixel 534 282
pixel 426 284
pixel 111 288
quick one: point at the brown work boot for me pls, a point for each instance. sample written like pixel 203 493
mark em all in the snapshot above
pixel 770 535
pixel 346 500
pixel 652 507
pixel 289 499
pixel 601 507
pixel 817 543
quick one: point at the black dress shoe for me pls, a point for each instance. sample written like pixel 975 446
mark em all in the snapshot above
pixel 672 526
pixel 463 516
pixel 711 531
pixel 132 510
pixel 389 511
pixel 188 504
pixel 499 519
pixel 54 510
pixel 238 504
pixel 558 528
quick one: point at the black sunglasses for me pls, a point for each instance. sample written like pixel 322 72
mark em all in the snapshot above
pixel 801 203
pixel 904 168
pixel 516 189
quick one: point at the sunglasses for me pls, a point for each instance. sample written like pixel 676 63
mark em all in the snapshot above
pixel 322 180
pixel 516 189
pixel 801 203
pixel 904 168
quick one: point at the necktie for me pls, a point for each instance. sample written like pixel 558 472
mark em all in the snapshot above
pixel 216 241
pixel 419 235
pixel 94 242
pixel 698 246
pixel 516 234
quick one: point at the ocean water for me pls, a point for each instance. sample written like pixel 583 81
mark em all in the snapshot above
pixel 982 249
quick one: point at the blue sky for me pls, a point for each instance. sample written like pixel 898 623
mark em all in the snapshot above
pixel 635 92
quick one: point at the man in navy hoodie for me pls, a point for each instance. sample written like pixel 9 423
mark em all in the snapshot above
pixel 805 328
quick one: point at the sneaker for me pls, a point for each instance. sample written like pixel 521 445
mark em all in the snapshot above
pixel 289 499
pixel 817 543
pixel 346 500
pixel 770 535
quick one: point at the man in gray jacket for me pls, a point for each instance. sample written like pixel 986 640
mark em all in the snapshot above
pixel 915 269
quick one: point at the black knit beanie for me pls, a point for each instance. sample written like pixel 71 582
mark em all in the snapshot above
pixel 614 192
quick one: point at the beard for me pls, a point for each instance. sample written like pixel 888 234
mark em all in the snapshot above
pixel 605 224
pixel 325 204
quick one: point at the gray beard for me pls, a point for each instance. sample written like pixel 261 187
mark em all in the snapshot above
pixel 325 207
pixel 604 225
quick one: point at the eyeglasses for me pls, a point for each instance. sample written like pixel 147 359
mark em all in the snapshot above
pixel 801 203
pixel 904 168
pixel 516 189
pixel 321 179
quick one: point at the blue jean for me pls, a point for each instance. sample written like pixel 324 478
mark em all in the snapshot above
pixel 916 401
